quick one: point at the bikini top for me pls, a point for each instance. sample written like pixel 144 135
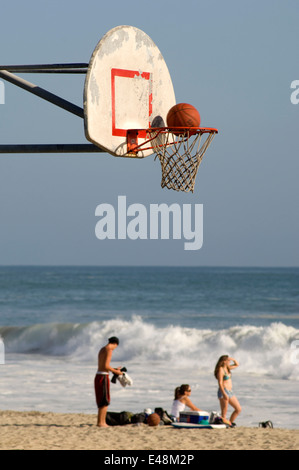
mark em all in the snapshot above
pixel 227 377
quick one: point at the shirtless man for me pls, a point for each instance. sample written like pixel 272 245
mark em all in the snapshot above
pixel 102 382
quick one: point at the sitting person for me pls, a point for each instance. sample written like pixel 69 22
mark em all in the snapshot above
pixel 181 400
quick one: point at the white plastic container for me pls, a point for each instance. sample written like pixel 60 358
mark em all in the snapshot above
pixel 195 417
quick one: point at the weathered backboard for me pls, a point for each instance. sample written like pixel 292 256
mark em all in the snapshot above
pixel 128 86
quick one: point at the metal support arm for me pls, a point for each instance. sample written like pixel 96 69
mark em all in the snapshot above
pixel 6 74
pixel 49 148
pixel 41 93
pixel 46 68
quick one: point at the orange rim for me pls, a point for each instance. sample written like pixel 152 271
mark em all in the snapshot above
pixel 183 133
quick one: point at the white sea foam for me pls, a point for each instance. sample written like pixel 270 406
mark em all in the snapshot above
pixel 260 350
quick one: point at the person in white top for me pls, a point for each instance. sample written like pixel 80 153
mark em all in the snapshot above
pixel 181 400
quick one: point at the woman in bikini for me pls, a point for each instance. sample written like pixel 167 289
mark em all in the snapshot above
pixel 225 393
pixel 181 400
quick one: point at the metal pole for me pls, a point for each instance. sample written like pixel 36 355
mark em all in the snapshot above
pixel 44 94
pixel 50 148
pixel 47 68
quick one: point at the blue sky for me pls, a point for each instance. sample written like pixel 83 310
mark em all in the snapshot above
pixel 233 60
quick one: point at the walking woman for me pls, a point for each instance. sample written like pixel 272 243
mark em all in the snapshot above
pixel 225 393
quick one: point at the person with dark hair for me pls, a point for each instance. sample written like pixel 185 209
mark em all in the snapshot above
pixel 181 400
pixel 113 340
pixel 102 381
pixel 226 395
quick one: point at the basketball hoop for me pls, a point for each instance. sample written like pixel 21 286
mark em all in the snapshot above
pixel 180 151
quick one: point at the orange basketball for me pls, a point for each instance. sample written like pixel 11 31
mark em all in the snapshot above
pixel 153 419
pixel 183 115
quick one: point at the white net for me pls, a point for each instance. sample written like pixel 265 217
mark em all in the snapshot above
pixel 180 155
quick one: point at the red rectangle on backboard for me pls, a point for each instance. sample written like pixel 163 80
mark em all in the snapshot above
pixel 116 131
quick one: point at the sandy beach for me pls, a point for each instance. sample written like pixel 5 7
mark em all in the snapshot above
pixel 54 431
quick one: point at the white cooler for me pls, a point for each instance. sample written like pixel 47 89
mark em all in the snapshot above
pixel 195 417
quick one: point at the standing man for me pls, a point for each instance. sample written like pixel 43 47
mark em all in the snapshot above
pixel 102 382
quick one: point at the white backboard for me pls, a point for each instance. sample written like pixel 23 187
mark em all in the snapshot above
pixel 128 86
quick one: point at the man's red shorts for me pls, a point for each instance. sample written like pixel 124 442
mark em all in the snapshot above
pixel 102 390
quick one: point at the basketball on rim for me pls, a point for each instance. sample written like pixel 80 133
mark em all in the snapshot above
pixel 153 419
pixel 183 115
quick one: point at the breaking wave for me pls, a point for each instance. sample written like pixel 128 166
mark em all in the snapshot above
pixel 260 350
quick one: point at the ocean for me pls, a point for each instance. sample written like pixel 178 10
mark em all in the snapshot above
pixel 173 325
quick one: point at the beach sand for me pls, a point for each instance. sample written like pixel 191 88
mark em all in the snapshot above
pixel 55 431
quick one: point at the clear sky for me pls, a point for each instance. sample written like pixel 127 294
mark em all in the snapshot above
pixel 233 60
